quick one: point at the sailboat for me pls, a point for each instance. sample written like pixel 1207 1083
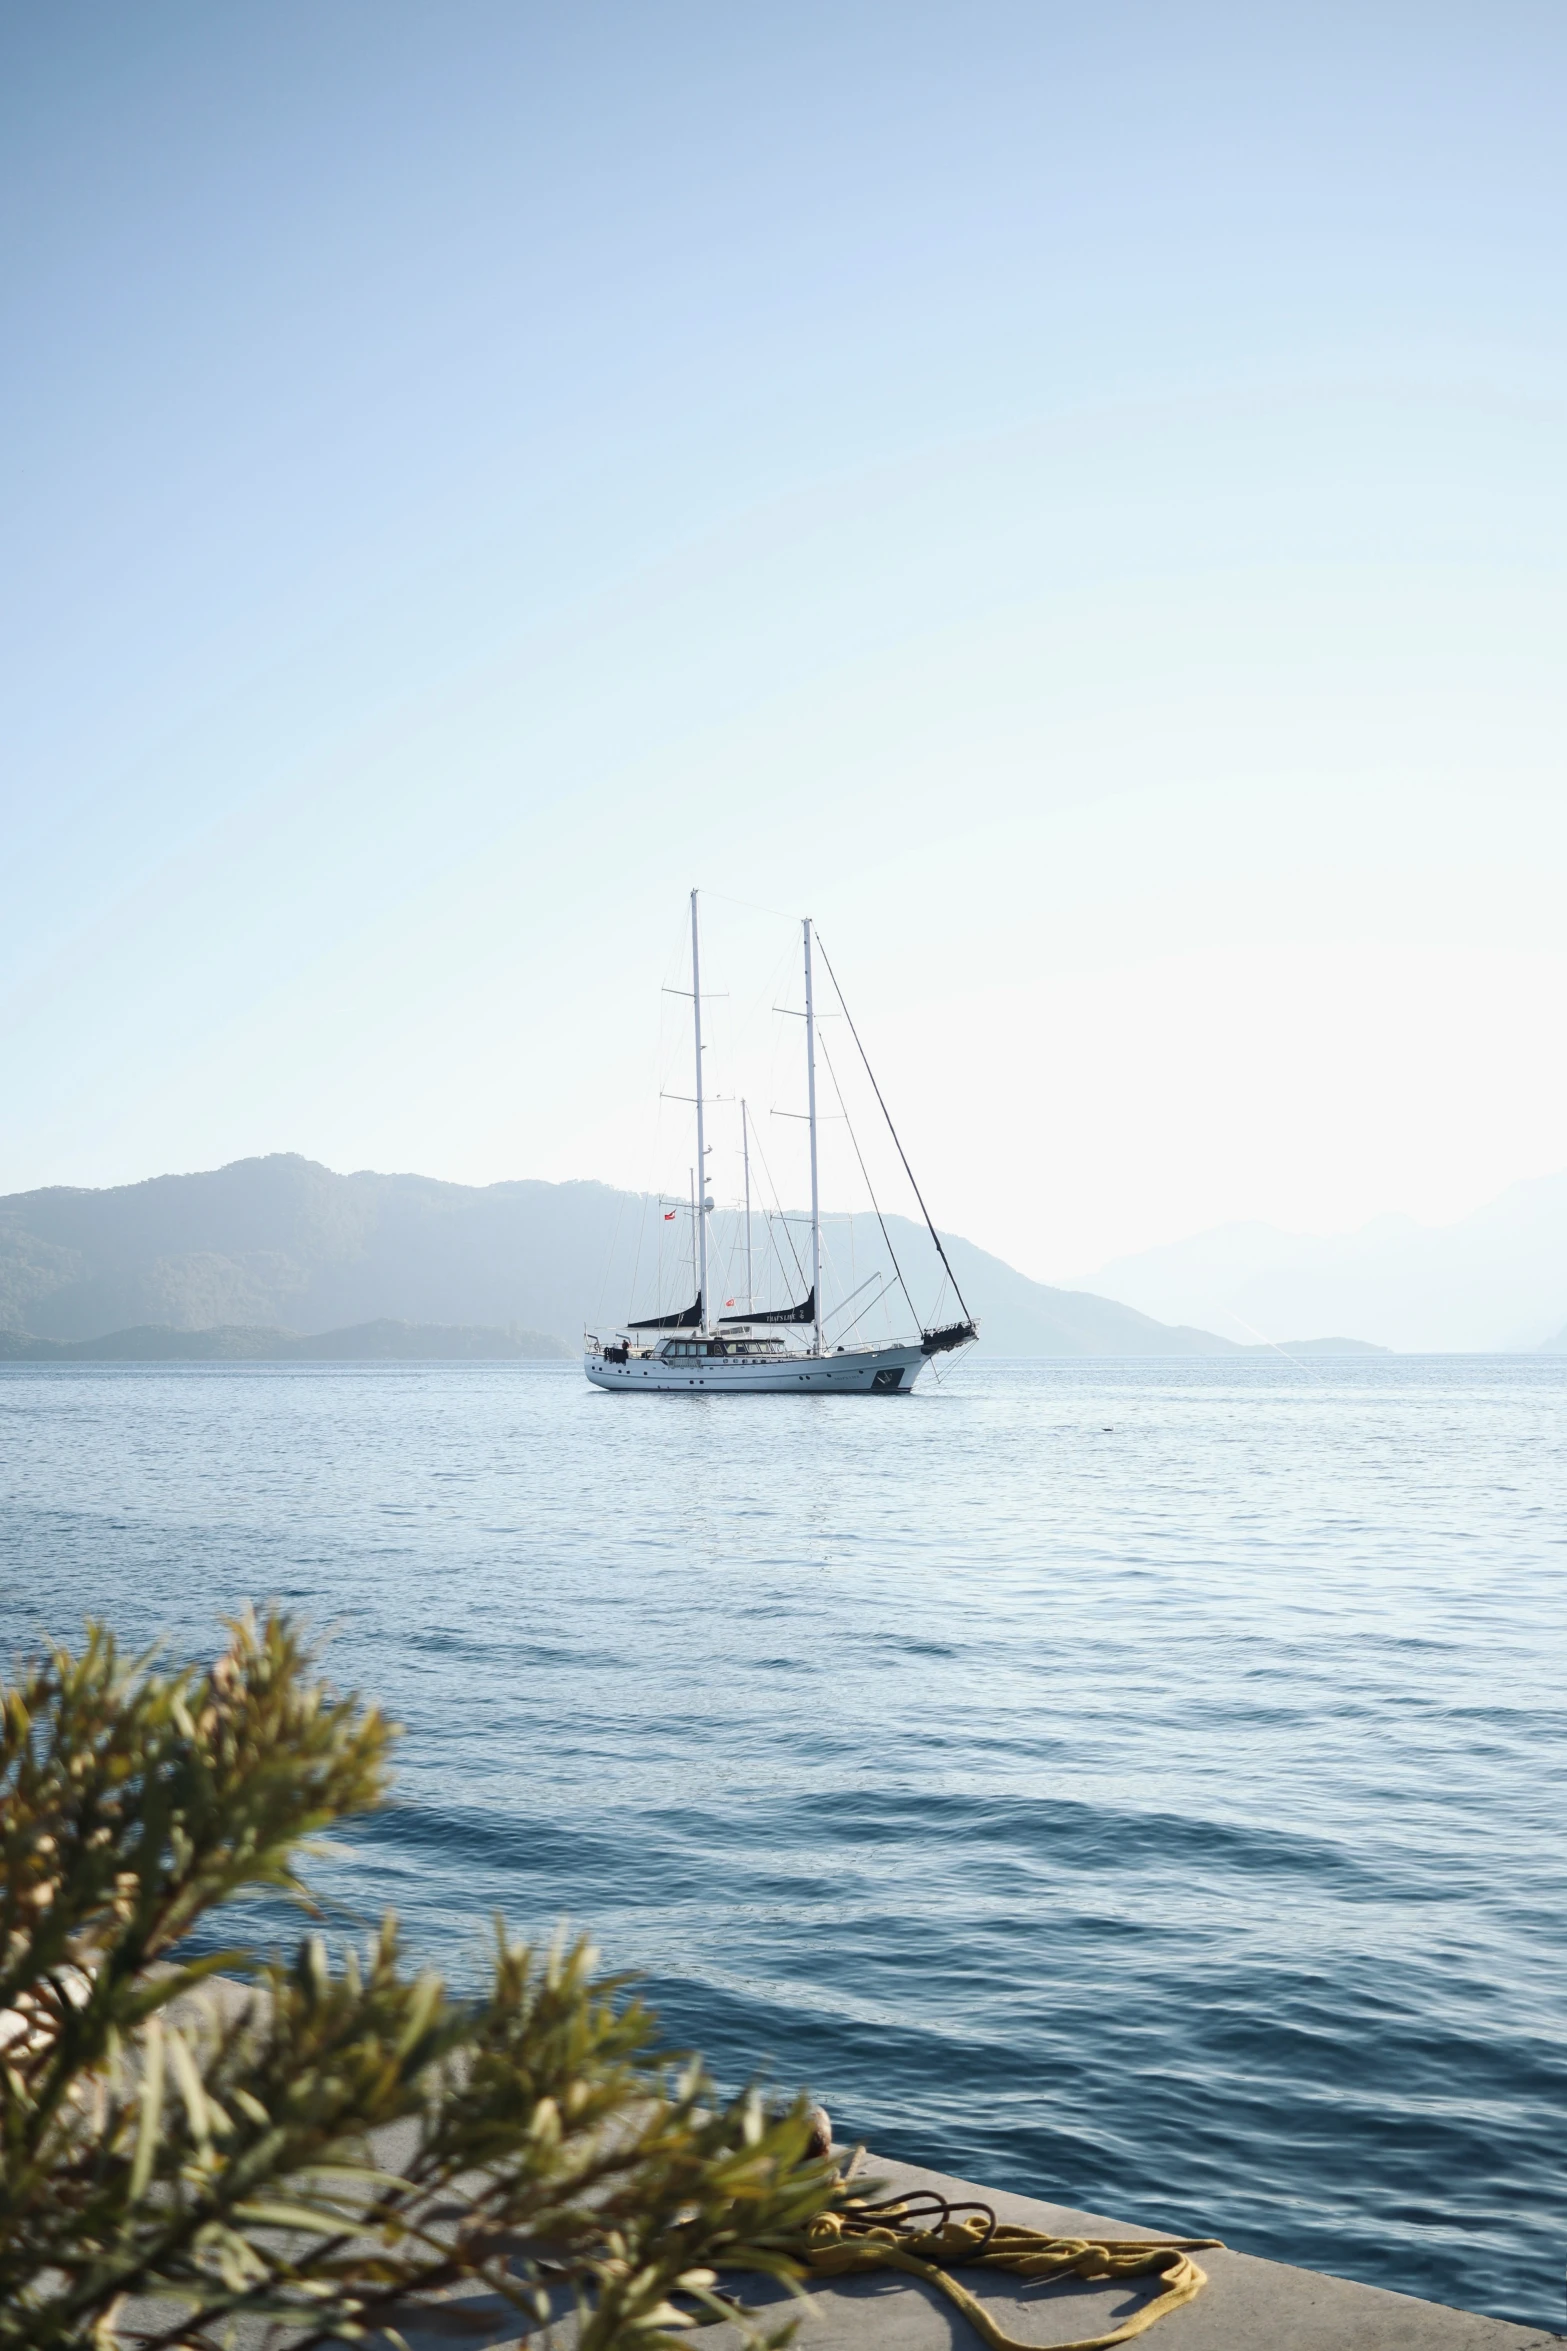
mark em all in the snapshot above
pixel 784 1350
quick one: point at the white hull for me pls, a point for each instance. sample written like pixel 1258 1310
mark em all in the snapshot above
pixel 858 1371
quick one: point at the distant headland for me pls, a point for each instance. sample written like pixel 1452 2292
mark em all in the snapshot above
pixel 367 1342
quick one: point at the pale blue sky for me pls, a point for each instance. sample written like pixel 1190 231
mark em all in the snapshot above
pixel 1073 497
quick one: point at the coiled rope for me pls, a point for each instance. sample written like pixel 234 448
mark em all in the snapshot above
pixel 922 2234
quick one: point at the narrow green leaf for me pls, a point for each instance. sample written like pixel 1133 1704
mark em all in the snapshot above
pixel 150 2118
pixel 188 2082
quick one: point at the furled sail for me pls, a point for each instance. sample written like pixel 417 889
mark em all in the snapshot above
pixel 690 1320
pixel 802 1313
pixel 951 1334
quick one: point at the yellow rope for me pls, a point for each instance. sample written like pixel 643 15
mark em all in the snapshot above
pixel 858 2237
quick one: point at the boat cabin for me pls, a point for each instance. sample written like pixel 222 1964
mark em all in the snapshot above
pixel 682 1348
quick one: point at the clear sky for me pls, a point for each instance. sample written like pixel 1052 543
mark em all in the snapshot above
pixel 1071 496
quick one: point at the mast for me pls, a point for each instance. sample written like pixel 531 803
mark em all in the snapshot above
pixel 745 1146
pixel 968 1325
pixel 700 1202
pixel 810 1102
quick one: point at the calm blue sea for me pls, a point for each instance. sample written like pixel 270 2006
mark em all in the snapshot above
pixel 1141 1784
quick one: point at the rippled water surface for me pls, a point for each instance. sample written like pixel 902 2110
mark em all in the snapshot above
pixel 1138 1784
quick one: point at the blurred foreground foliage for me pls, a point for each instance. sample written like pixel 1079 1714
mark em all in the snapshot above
pixel 320 2153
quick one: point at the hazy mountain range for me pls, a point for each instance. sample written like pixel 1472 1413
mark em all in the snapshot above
pixel 1497 1279
pixel 283 1246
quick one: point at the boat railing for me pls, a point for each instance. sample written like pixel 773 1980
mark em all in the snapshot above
pixel 616 1350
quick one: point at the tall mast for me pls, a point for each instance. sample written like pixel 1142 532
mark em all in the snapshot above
pixel 701 1144
pixel 810 1103
pixel 745 1146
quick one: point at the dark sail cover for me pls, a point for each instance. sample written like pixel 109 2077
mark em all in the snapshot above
pixel 689 1321
pixel 802 1313
pixel 952 1334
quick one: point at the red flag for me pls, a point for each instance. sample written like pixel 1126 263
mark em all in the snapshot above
pixel 669 1216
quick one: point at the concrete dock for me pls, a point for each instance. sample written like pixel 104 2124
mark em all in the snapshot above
pixel 1247 2305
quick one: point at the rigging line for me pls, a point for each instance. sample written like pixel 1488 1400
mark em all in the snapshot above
pixel 855 1140
pixel 752 905
pixel 779 1217
pixel 772 1255
pixel 659 1201
pixel 659 1056
pixel 614 1243
pixel 892 1130
pixel 775 1220
pixel 636 1270
pixel 743 1025
pixel 860 1317
pixel 772 1219
pixel 849 1301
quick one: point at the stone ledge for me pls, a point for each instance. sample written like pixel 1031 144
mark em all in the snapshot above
pixel 1247 2305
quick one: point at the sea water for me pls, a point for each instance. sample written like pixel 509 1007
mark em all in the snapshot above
pixel 1139 1784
